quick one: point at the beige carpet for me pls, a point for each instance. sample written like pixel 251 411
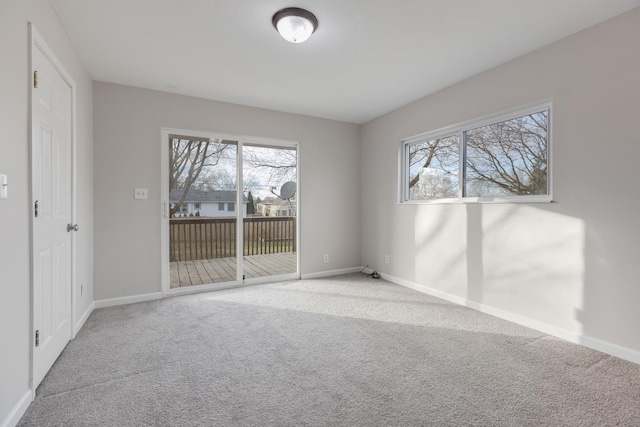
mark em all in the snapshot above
pixel 345 351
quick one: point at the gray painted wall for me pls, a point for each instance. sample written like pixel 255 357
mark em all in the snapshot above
pixel 15 306
pixel 570 266
pixel 128 122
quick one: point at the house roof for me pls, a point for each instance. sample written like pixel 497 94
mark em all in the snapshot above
pixel 211 196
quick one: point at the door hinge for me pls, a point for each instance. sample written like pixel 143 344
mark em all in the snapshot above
pixel 35 79
pixel 37 338
pixel 35 209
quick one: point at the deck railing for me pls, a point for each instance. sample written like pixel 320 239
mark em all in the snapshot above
pixel 208 238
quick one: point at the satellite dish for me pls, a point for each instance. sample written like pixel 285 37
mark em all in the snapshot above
pixel 287 190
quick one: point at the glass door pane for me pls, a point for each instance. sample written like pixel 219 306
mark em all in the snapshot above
pixel 202 212
pixel 269 222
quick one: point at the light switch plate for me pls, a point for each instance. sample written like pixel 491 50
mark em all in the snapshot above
pixel 140 193
pixel 4 187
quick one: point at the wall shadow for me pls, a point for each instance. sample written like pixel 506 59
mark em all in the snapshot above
pixel 526 260
pixel 475 253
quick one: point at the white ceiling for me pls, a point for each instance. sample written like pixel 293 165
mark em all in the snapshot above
pixel 368 57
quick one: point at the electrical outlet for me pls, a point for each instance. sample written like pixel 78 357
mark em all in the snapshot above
pixel 386 259
pixel 326 257
pixel 140 193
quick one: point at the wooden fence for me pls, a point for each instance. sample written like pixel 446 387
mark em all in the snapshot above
pixel 208 238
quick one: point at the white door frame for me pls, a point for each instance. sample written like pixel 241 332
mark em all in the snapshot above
pixel 36 41
pixel 164 209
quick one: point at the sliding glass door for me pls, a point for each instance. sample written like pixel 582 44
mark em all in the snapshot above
pixel 202 211
pixel 217 235
pixel 270 226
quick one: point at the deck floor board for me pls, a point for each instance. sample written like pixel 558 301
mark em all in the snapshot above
pixel 220 270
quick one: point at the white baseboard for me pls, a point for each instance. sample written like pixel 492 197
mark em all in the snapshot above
pixel 205 288
pixel 230 285
pixel 18 411
pixel 127 300
pixel 83 319
pixel 610 348
pixel 571 336
pixel 565 334
pixel 329 273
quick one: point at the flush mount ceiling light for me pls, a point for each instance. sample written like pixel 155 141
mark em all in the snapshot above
pixel 295 25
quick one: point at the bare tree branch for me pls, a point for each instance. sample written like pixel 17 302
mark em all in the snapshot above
pixel 187 159
pixel 511 156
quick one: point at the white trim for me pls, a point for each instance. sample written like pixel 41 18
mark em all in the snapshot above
pixel 19 410
pixel 459 129
pixel 329 273
pixel 271 279
pixel 203 288
pixel 231 285
pixel 83 319
pixel 110 302
pixel 165 274
pixel 258 141
pixel 500 116
pixel 610 348
pixel 475 200
pixel 565 334
pixel 401 171
pixel 299 204
pixel 239 212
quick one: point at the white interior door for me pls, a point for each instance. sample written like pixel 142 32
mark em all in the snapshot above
pixel 51 98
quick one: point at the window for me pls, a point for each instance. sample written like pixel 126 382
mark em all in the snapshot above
pixel 196 206
pixel 496 159
pixel 231 207
pixel 184 207
pixel 433 168
pixel 220 206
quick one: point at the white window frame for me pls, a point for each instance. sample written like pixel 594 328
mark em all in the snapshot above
pixel 460 129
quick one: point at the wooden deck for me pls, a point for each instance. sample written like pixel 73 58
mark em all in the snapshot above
pixel 218 270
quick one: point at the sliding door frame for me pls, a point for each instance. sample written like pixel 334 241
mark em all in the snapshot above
pixel 164 211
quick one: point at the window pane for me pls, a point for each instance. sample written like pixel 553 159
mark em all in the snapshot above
pixel 196 167
pixel 508 158
pixel 231 207
pixel 220 206
pixel 433 168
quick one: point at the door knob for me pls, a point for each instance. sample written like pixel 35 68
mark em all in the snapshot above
pixel 73 227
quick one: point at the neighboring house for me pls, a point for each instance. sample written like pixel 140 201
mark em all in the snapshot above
pixel 209 203
pixel 279 207
pixel 263 208
pixel 274 206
